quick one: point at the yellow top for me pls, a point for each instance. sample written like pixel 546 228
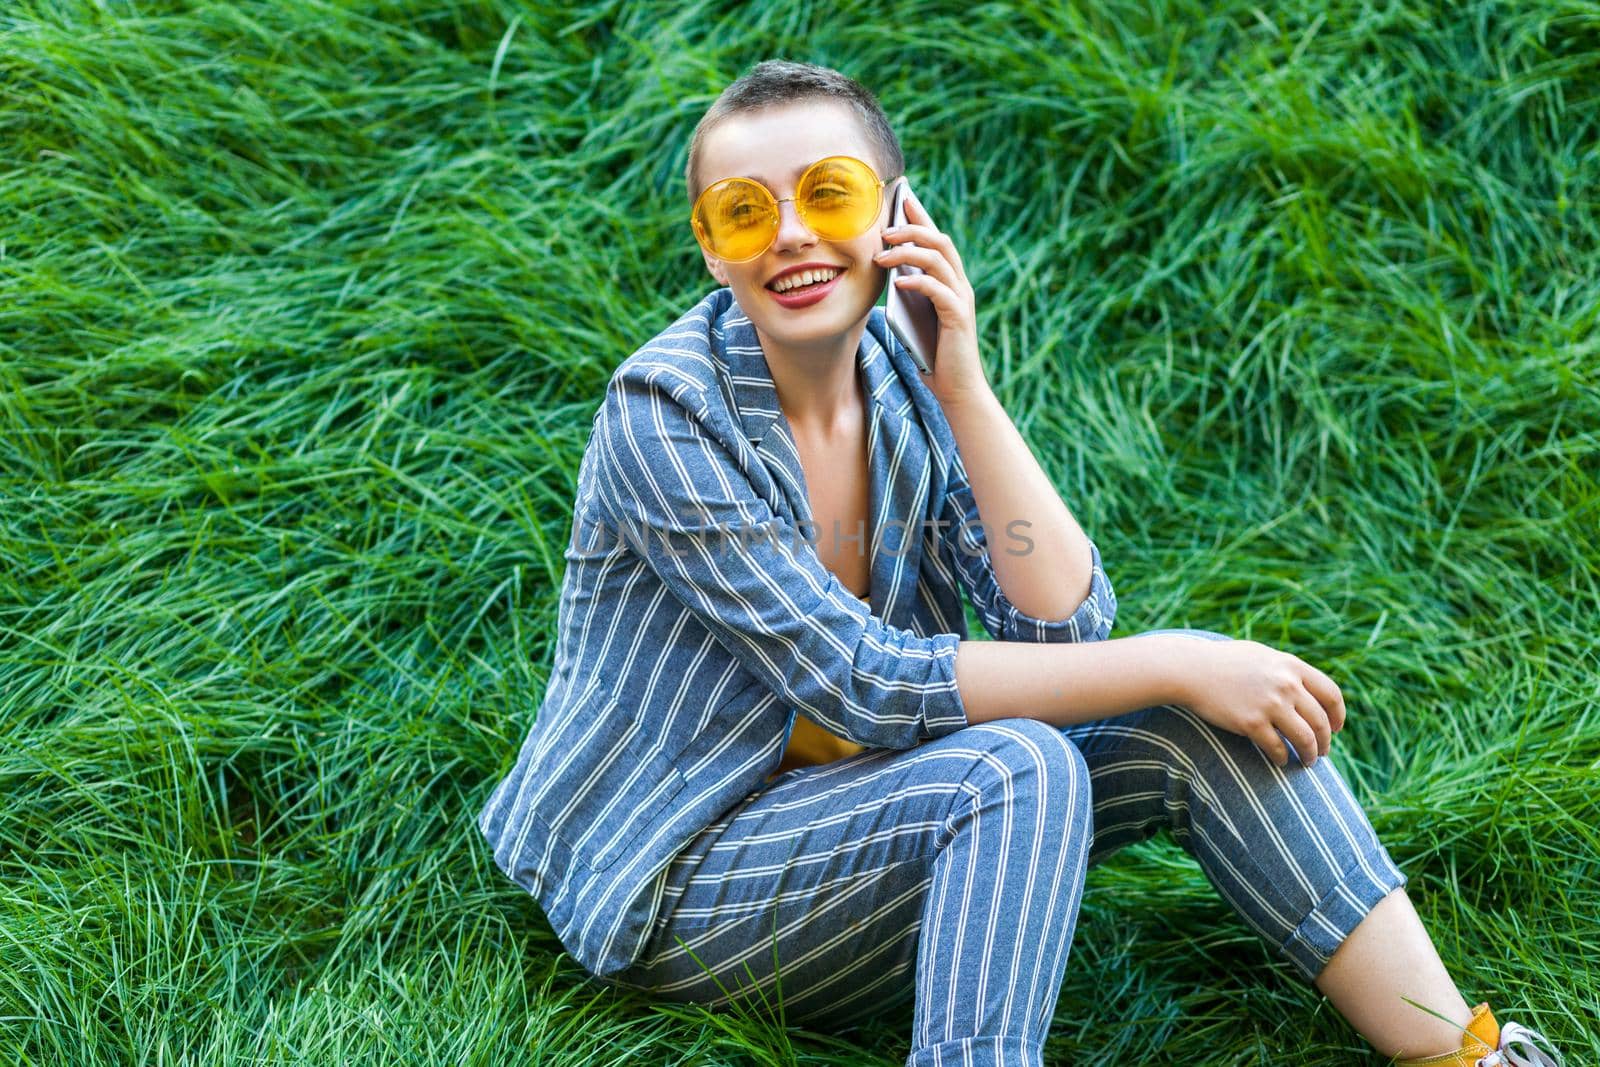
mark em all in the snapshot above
pixel 810 744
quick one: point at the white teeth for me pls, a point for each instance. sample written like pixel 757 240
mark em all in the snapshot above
pixel 807 277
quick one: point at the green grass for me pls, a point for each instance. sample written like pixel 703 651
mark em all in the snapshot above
pixel 303 314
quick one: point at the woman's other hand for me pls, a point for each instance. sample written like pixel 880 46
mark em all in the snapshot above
pixel 1258 691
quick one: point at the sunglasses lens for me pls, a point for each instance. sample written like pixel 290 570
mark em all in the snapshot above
pixel 735 220
pixel 839 198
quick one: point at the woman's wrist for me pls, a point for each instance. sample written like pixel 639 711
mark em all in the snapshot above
pixel 1179 664
pixel 960 403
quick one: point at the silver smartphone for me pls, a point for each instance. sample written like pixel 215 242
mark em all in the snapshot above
pixel 911 316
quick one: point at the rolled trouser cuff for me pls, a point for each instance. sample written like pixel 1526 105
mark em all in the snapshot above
pixel 1340 911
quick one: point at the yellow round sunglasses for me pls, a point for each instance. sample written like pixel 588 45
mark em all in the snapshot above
pixel 837 198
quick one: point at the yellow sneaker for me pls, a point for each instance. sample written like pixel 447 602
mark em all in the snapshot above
pixel 1485 1044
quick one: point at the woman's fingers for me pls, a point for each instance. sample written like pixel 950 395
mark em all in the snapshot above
pixel 952 313
pixel 1327 694
pixel 928 237
pixel 918 219
pixel 1316 717
pixel 935 261
pixel 1267 739
pixel 1300 735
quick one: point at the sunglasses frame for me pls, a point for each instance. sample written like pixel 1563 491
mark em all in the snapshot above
pixel 694 213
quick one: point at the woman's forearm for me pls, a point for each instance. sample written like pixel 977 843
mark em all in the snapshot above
pixel 1043 564
pixel 1071 683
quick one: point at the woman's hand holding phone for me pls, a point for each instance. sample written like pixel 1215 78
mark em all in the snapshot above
pixel 957 372
pixel 1257 691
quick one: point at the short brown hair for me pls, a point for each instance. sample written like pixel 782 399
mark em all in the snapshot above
pixel 774 82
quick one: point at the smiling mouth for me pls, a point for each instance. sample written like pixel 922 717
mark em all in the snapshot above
pixel 821 278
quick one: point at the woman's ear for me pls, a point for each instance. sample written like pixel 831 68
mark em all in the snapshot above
pixel 715 266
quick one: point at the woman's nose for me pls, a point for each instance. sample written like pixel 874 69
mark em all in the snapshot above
pixel 792 233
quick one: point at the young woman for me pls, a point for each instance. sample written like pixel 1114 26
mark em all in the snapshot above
pixel 767 753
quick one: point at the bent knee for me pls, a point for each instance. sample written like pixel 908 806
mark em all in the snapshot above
pixel 1212 750
pixel 1024 747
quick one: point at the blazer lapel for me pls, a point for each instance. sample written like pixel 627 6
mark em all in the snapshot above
pixel 755 399
pixel 898 461
pixel 897 454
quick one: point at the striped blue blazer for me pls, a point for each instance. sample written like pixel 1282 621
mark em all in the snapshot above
pixel 696 618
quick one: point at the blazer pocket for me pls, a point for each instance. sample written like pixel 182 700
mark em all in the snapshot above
pixel 603 785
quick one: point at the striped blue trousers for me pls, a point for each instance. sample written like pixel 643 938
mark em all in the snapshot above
pixel 949 875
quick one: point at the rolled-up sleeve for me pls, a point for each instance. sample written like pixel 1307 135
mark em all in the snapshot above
pixel 679 499
pixel 964 547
